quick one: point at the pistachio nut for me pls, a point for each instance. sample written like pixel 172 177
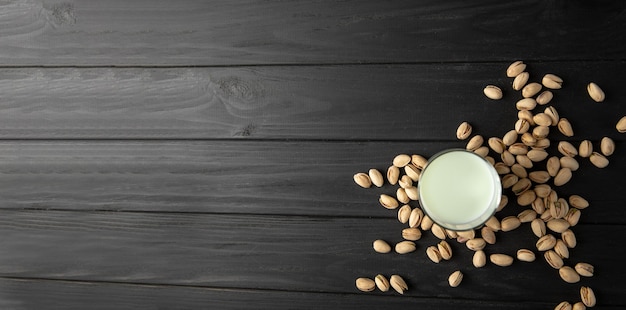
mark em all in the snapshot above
pixel 542 119
pixel 502 260
pixel 381 282
pixel 569 162
pixel 585 148
pixel 559 209
pixel 564 305
pixel 381 246
pixel 569 238
pixel 515 68
pixel 455 278
pixel 553 114
pixel 502 168
pixel 388 202
pixel 518 149
pixel 463 131
pixel 539 176
pixel 522 126
pixel 540 131
pixel 538 227
pixel 444 250
pixel 412 193
pixel 415 218
pixel 479 259
pixel 509 180
pixel 510 137
pixel 542 190
pixel 521 186
pixel 519 171
pixel 546 242
pixel 528 139
pixel 595 92
pixel 587 296
pixel 525 255
pixel 510 223
pixel 537 155
pixel 482 151
pixel 401 160
pixel 427 223
pixel 569 275
pixel 552 81
pixel 542 143
pixel 567 149
pixel 493 223
pixel 621 125
pixel 598 160
pixel 607 146
pixel 545 97
pixel 565 127
pixel 365 284
pixel 405 182
pixel 411 171
pixel 507 158
pixel 561 249
pixel 412 233
pixel 476 244
pixel 527 215
pixel 520 80
pixel 488 235
pixel 376 177
pixel 546 216
pixel 393 174
pixel 578 202
pixel 584 269
pixel 538 205
pixel 553 165
pixel 433 254
pixel 419 161
pixel 474 143
pixel 363 180
pixel 398 284
pixel 469 234
pixel 493 92
pixel 403 213
pixel 524 161
pixel 504 200
pixel 554 260
pixel 526 198
pixel 496 144
pixel 404 247
pixel 531 89
pixel 579 306
pixel 526 104
pixel 438 231
pixel 573 216
pixel 402 197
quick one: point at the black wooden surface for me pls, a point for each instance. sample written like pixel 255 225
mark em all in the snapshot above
pixel 199 154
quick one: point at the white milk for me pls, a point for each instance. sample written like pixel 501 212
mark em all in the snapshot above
pixel 459 190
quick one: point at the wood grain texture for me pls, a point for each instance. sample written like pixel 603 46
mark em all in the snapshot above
pixel 284 253
pixel 401 102
pixel 23 294
pixel 253 177
pixel 196 32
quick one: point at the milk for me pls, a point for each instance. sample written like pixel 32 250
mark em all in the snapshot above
pixel 459 190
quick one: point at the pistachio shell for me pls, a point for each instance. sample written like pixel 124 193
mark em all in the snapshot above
pixel 479 259
pixel 388 201
pixel 412 193
pixel 553 114
pixel 455 278
pixel 537 155
pixel 493 223
pixel 531 89
pixel 567 149
pixel 526 104
pixel 587 296
pixel 552 81
pixel 569 162
pixel 607 146
pixel 525 255
pixel 585 148
pixel 404 213
pixel 563 176
pixel 418 161
pixel 438 231
pixel 476 244
pixel 564 305
pixel 540 131
pixel 539 176
pixel 520 80
pixel 496 144
pixel 554 260
pixel 524 161
pixel 584 269
pixel 569 239
pixel 433 254
pixel 621 125
pixel 404 247
pixel 546 242
pixel 502 260
pixel 488 235
pixel 538 227
pixel 545 97
pixel 398 284
pixel 553 165
pixel 578 202
pixel 411 233
pixel 415 218
pixel 598 160
pixel 463 131
pixel 382 283
pixel 569 275
pixel 522 126
pixel 561 249
pixel 510 223
pixel 510 137
pixel 402 196
pixel 579 306
pixel 542 119
pixel 474 143
pixel 444 250
pixel 565 127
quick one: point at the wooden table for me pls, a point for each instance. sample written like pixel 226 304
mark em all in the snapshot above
pixel 198 154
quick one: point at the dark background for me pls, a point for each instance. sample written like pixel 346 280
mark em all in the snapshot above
pixel 199 154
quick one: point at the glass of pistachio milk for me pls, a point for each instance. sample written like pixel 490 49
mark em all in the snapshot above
pixel 459 190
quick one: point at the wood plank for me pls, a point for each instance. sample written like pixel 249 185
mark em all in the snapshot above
pixel 22 294
pixel 285 253
pixel 372 102
pixel 196 32
pixel 254 177
pixel 35 294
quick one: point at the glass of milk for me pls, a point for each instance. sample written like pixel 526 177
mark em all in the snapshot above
pixel 459 190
